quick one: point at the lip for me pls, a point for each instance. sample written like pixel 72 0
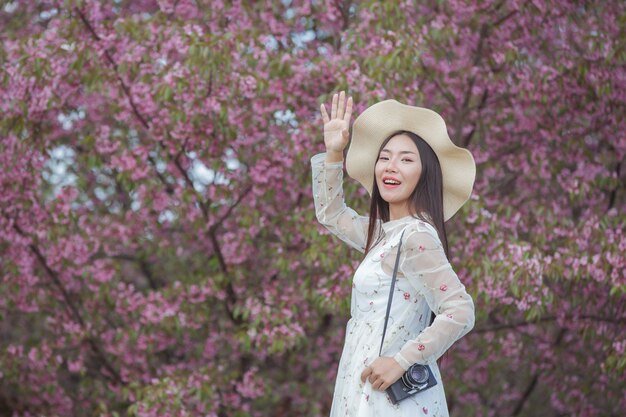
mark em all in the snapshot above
pixel 390 185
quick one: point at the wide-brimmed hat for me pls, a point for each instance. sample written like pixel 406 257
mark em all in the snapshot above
pixel 380 120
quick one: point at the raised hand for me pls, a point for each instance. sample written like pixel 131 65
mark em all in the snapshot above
pixel 336 134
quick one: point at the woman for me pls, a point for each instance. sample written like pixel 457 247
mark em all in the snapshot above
pixel 417 179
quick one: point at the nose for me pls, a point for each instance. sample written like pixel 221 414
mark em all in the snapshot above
pixel 391 167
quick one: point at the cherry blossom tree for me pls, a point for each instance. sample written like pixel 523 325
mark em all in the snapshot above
pixel 160 252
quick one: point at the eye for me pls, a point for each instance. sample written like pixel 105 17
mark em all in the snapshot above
pixel 383 158
pixel 408 160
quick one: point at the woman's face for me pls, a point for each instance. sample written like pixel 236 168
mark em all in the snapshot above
pixel 398 170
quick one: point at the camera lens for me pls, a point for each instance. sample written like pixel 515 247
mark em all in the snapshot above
pixel 417 374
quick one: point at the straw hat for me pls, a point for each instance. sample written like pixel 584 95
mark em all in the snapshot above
pixel 383 118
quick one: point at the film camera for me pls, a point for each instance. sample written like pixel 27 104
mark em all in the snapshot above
pixel 416 379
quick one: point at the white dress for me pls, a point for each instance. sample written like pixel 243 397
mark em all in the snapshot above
pixel 425 281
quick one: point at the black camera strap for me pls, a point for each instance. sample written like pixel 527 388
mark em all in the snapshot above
pixel 393 284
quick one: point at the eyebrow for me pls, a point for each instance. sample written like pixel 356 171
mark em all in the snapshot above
pixel 401 152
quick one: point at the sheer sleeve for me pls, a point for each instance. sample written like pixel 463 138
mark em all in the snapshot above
pixel 423 262
pixel 330 208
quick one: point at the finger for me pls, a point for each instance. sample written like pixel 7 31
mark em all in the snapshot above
pixel 333 109
pixel 376 384
pixel 365 374
pixel 324 114
pixel 341 109
pixel 348 115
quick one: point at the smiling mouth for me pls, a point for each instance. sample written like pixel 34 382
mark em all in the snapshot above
pixel 390 183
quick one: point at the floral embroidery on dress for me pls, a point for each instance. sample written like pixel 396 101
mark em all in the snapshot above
pixel 425 278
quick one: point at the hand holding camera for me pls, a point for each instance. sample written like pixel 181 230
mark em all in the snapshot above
pixel 383 372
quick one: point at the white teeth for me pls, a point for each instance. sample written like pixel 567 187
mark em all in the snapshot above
pixel 391 182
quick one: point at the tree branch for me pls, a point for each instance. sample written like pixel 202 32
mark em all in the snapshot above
pixel 619 321
pixel 73 309
pixel 534 380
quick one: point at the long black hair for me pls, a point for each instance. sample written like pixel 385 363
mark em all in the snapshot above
pixel 425 202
